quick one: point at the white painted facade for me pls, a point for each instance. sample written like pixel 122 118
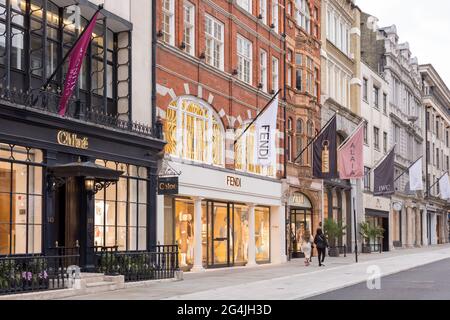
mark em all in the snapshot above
pixel 207 183
pixel 377 115
pixel 139 13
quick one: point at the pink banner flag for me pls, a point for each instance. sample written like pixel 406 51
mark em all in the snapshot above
pixel 350 156
pixel 76 61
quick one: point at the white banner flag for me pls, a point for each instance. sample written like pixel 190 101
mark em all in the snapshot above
pixel 266 129
pixel 444 187
pixel 416 176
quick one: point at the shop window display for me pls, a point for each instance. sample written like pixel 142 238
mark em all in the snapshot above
pixel 184 231
pixel 20 200
pixel 121 209
pixel 262 234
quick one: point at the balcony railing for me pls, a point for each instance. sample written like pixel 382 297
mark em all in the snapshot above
pixel 159 263
pixel 23 274
pixel 48 101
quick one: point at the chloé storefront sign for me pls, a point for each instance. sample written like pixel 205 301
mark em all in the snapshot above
pixel 72 140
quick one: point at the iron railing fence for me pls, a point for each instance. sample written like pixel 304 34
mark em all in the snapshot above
pixel 48 101
pixel 160 262
pixel 22 274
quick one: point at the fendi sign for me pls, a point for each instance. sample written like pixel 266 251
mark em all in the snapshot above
pixel 72 140
pixel 234 182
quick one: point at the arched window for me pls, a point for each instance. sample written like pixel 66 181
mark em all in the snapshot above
pixel 299 126
pixel 193 131
pixel 310 129
pixel 303 15
pixel 290 140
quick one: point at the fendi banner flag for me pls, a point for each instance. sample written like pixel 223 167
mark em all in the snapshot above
pixel 266 129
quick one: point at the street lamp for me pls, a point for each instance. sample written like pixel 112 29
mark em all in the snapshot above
pixel 89 183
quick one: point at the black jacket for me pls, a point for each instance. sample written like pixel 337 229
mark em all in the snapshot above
pixel 321 241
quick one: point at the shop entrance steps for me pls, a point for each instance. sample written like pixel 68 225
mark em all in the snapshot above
pixel 97 282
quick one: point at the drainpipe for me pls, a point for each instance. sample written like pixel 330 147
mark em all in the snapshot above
pixel 154 42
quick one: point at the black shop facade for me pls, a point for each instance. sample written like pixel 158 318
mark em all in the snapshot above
pixel 74 183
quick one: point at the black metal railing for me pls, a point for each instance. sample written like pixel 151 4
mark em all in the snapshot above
pixel 22 274
pixel 76 109
pixel 373 247
pixel 160 262
pixel 69 256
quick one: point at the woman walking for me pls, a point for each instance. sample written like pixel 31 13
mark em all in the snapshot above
pixel 307 246
pixel 321 244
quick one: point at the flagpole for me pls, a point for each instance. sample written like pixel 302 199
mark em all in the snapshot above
pixel 254 120
pixel 315 138
pixel 383 158
pixel 44 87
pixel 343 144
pixel 355 229
pixel 407 169
pixel 431 187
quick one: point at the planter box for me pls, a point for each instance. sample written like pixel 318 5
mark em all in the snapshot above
pixel 333 252
pixel 367 249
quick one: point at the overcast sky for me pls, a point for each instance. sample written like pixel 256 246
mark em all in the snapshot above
pixel 424 24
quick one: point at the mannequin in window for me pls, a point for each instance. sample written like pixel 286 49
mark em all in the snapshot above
pixel 185 237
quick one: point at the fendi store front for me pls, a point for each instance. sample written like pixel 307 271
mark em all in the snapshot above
pixel 221 218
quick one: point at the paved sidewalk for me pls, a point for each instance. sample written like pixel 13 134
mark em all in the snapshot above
pixel 286 282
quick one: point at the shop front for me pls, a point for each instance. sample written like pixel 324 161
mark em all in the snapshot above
pixel 378 219
pixel 74 184
pixel 303 220
pixel 223 219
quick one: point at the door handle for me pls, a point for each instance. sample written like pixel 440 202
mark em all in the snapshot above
pixel 220 239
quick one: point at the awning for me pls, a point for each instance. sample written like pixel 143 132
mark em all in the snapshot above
pixel 377 213
pixel 86 169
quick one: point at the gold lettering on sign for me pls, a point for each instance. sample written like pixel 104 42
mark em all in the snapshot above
pixel 234 182
pixel 72 140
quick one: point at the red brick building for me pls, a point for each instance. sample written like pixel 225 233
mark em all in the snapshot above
pixel 218 64
pixel 303 115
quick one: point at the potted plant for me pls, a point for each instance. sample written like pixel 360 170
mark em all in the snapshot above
pixel 333 231
pixel 365 232
pixel 369 233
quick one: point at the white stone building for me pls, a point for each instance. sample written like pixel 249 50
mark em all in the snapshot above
pixel 436 100
pixel 375 110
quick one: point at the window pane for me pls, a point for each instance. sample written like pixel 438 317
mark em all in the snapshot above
pixel 122 189
pixel 35 180
pixel 19 178
pixel 132 236
pixel 122 238
pixel 262 234
pixel 110 213
pixel 111 192
pixel 4 238
pixel 98 236
pixel 142 239
pixel 122 214
pixel 132 196
pixel 132 219
pixel 142 215
pixel 142 191
pixel 110 236
pixel 19 239
pixel 34 209
pixel 99 212
pixel 34 239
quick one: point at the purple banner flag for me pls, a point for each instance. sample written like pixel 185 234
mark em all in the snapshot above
pixel 75 63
